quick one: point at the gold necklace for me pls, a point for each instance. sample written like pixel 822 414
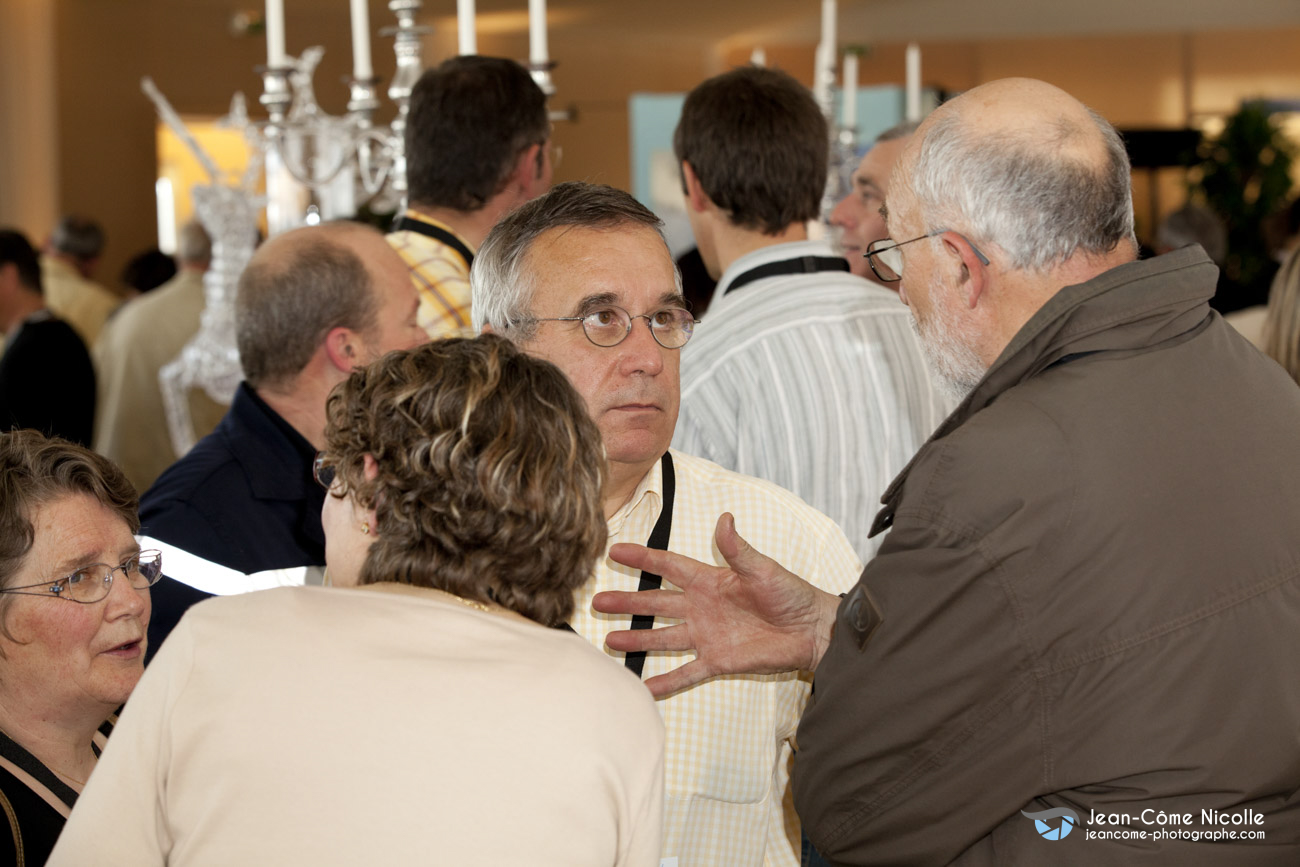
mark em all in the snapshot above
pixel 468 603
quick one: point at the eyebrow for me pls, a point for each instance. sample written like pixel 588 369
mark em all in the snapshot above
pixel 592 302
pixel 72 564
pixel 606 299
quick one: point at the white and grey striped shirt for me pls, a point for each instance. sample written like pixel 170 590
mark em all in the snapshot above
pixel 815 382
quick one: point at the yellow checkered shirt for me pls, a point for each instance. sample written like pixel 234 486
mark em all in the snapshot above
pixel 441 278
pixel 728 749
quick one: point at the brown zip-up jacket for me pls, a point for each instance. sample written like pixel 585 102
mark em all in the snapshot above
pixel 1089 599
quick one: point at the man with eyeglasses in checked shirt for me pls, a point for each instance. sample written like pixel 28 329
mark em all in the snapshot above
pixel 582 277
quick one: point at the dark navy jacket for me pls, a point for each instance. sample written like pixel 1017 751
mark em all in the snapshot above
pixel 243 497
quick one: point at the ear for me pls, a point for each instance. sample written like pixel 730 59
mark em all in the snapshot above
pixel 343 349
pixel 974 273
pixel 528 170
pixel 369 468
pixel 487 329
pixel 696 198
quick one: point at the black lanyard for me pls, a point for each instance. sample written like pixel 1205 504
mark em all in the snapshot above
pixel 797 265
pixel 406 224
pixel 635 660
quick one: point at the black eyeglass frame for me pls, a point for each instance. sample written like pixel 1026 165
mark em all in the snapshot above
pixel 688 324
pixel 873 251
pixel 54 589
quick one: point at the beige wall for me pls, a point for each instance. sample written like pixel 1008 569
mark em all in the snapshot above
pixel 1148 80
pixel 106 126
pixel 28 133
pixel 84 139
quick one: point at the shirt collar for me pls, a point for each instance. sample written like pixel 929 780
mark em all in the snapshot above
pixel 649 494
pixel 768 254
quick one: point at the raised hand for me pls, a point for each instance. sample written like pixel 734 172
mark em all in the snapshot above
pixel 752 618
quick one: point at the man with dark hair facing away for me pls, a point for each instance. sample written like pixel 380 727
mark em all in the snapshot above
pixel 803 374
pixel 46 378
pixel 477 147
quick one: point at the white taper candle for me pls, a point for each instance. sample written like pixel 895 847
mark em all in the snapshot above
pixel 275 33
pixel 849 116
pixel 361 68
pixel 465 26
pixel 537 50
pixel 913 82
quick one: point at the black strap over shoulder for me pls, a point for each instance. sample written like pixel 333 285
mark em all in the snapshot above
pixel 43 776
pixel 635 661
pixel 406 224
pixel 797 265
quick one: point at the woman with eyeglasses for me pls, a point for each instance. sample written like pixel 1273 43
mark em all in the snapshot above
pixel 425 709
pixel 74 607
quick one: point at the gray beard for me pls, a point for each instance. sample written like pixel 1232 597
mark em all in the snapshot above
pixel 954 366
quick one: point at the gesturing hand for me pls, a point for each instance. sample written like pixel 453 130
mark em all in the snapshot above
pixel 752 618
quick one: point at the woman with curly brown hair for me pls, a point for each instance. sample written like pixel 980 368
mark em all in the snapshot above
pixel 423 710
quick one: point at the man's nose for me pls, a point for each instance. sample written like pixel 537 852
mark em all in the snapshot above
pixel 842 214
pixel 640 352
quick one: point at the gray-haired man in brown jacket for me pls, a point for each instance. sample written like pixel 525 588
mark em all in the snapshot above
pixel 1080 642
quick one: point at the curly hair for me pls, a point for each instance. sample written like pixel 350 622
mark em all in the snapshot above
pixel 489 473
pixel 36 470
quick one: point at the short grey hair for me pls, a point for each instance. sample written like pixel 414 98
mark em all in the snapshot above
pixel 503 287
pixel 79 237
pixel 897 131
pixel 193 246
pixel 1015 191
pixel 293 292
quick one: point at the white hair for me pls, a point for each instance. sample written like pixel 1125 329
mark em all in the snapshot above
pixel 955 366
pixel 1019 192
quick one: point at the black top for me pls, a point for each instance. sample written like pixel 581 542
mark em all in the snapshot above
pixel 30 824
pixel 243 497
pixel 47 381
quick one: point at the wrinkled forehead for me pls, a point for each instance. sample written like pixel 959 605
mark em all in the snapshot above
pixel 627 260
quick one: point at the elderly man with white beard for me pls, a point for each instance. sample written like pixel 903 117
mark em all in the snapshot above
pixel 1085 611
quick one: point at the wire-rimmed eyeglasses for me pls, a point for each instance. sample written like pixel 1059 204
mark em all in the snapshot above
pixel 887 262
pixel 609 326
pixel 91 583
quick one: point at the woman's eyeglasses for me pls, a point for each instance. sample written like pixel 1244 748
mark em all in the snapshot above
pixel 92 583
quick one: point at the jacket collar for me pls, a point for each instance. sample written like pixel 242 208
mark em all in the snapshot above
pixel 1131 307
pixel 275 457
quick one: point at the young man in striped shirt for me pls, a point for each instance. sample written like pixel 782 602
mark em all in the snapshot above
pixel 806 375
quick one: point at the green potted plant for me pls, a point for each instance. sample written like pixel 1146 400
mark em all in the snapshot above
pixel 1244 175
